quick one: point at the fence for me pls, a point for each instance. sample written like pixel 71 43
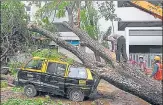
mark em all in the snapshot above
pixel 148 57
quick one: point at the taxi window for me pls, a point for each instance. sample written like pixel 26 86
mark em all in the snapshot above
pixel 77 73
pixel 34 64
pixel 56 68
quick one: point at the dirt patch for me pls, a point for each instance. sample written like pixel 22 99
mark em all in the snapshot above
pixel 107 95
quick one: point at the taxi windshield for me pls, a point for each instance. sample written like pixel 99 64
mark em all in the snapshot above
pixel 34 64
pixel 75 72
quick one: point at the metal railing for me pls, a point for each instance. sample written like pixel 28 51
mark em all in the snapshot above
pixel 148 57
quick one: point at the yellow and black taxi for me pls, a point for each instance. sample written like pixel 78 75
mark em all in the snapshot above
pixel 57 77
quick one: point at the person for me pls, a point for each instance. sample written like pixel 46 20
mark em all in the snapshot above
pixel 119 46
pixel 142 63
pixel 131 61
pixel 157 71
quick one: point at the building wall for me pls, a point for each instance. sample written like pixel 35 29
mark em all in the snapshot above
pixel 127 14
pixel 141 39
pixel 136 15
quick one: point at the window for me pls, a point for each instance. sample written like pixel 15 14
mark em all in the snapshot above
pixel 77 73
pixel 124 4
pixel 123 24
pixel 73 42
pixel 28 8
pixel 34 64
pixel 56 68
pixel 52 68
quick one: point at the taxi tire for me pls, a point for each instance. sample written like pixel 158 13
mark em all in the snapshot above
pixel 30 90
pixel 76 95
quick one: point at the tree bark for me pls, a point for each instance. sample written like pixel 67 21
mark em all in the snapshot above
pixel 70 14
pixel 121 75
pixel 92 44
pixel 97 57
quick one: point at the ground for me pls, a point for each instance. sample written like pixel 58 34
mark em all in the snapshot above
pixel 107 95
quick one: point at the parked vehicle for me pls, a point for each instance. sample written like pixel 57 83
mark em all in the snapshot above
pixel 57 77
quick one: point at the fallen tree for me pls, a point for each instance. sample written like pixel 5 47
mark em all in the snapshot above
pixel 121 75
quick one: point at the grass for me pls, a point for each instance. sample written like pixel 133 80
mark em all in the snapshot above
pixel 17 89
pixel 34 101
pixel 4 84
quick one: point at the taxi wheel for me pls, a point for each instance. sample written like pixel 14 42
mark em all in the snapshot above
pixel 76 95
pixel 30 91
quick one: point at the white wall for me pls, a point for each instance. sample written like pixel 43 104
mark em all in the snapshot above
pixel 134 14
pixel 68 36
pixel 142 40
pixel 127 14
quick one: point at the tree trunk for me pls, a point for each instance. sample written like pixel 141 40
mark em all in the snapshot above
pixel 112 25
pixel 98 59
pixel 70 14
pixel 120 75
pixel 92 44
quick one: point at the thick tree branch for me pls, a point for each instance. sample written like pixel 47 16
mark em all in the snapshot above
pixel 70 14
pixel 92 44
pixel 5 52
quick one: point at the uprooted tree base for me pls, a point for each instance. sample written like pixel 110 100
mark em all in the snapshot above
pixel 121 75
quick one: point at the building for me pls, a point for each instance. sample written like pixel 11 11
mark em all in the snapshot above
pixel 142 30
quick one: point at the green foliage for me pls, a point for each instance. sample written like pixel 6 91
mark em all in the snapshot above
pixel 14 101
pixel 47 53
pixel 4 84
pixel 17 89
pixel 59 102
pixel 14 20
pixel 45 20
pixel 49 8
pixel 13 15
pixel 93 103
pixel 88 16
pixel 62 9
pixel 46 14
pixel 34 101
pixel 13 67
pixel 52 54
pixel 60 13
pixel 89 21
pixel 107 10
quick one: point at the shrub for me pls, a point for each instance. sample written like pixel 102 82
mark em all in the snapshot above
pixel 4 84
pixel 34 101
pixel 52 54
pixel 13 67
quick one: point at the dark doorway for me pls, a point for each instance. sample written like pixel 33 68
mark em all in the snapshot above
pixel 145 49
